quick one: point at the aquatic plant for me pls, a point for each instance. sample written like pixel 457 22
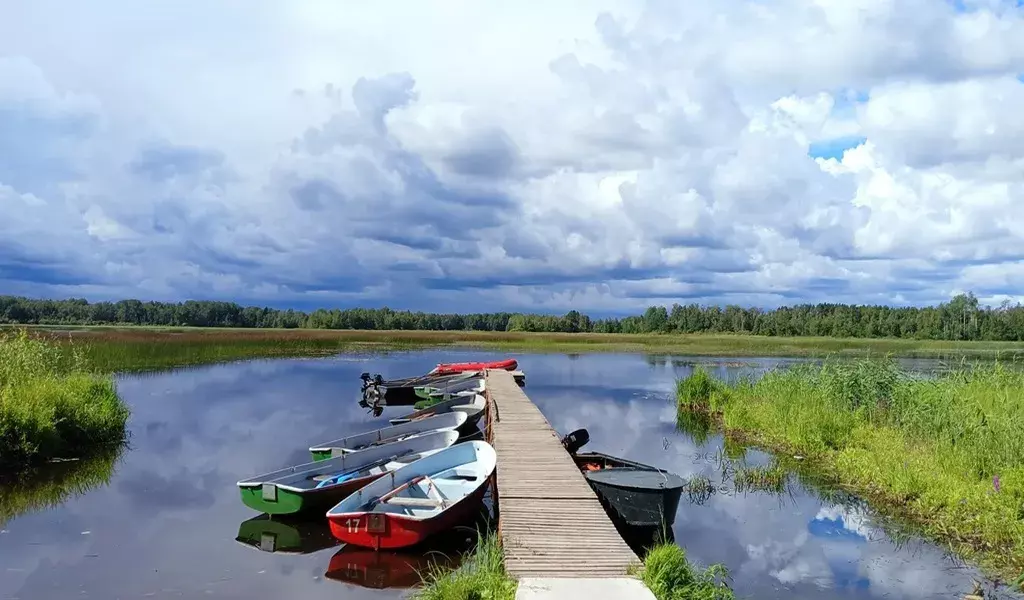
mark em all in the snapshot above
pixel 944 452
pixel 481 576
pixel 699 489
pixel 767 478
pixel 670 575
pixel 51 405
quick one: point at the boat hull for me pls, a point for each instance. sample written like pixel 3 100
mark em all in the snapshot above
pixel 508 364
pixel 384 531
pixel 305 502
pixel 633 505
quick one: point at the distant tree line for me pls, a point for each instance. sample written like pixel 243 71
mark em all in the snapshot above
pixel 959 319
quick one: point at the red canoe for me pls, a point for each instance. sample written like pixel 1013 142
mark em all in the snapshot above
pixel 421 499
pixel 509 364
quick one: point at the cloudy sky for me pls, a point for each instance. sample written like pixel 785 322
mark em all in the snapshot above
pixel 474 155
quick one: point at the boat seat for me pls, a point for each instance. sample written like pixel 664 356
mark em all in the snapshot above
pixel 414 502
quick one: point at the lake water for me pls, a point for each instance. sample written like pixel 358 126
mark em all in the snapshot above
pixel 165 524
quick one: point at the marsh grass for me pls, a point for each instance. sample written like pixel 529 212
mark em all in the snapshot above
pixel 480 577
pixel 946 453
pixel 668 573
pixel 51 405
pixel 767 478
pixel 136 348
pixel 53 484
pixel 699 489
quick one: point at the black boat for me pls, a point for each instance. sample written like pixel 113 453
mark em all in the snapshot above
pixel 635 494
pixel 380 392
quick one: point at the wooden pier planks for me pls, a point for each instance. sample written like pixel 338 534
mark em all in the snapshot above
pixel 551 522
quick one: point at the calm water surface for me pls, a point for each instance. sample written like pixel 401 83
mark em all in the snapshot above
pixel 166 523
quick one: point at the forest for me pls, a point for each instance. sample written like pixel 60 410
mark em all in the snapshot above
pixel 961 318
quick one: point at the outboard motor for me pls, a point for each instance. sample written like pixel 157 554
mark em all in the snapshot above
pixel 575 440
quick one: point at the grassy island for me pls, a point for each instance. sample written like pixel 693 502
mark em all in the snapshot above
pixel 52 405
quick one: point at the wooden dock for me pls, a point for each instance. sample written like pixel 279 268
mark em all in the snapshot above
pixel 550 521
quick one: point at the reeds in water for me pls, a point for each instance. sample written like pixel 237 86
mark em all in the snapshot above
pixel 51 405
pixel 945 451
pixel 481 576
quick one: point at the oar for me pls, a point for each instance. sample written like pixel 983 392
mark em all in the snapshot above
pixel 338 476
pixel 405 485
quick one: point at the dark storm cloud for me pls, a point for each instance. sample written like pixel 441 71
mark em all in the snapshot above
pixel 490 153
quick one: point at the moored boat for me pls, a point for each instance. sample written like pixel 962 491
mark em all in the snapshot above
pixel 508 364
pixel 467 384
pixel 638 495
pixel 417 501
pixel 473 405
pixel 377 391
pixel 633 493
pixel 386 435
pixel 315 486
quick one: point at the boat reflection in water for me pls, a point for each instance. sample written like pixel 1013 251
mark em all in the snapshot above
pixel 401 569
pixel 286 535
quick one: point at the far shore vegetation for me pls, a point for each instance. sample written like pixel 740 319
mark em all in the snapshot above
pixel 131 335
pixel 943 452
pixel 142 348
pixel 52 405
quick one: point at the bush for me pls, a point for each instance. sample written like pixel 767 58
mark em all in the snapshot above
pixel 670 576
pixel 51 406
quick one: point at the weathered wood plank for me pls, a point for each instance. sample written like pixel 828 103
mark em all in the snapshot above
pixel 552 523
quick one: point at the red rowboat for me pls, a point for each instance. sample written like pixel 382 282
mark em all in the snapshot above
pixel 414 502
pixel 509 364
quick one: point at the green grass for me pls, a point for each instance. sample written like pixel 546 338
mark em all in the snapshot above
pixel 480 577
pixel 51 405
pixel 668 573
pixel 134 348
pixel 699 489
pixel 945 453
pixel 52 485
pixel 767 478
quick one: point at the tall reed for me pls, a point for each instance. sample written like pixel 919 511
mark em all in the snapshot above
pixel 670 575
pixel 481 576
pixel 51 405
pixel 946 451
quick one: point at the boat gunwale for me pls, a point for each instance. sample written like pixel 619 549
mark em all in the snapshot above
pixel 328 446
pixel 478 444
pixel 322 465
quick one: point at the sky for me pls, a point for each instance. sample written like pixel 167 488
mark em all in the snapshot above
pixel 457 155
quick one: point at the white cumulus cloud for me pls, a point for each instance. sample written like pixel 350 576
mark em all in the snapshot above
pixel 482 156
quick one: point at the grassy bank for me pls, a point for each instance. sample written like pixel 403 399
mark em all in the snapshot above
pixel 145 348
pixel 482 575
pixel 51 405
pixel 670 575
pixel 945 453
pixel 666 572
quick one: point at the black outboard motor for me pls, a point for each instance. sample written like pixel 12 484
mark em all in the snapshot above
pixel 575 440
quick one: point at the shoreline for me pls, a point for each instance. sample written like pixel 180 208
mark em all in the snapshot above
pixel 139 348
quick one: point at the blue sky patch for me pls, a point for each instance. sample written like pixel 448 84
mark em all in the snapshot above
pixel 834 147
